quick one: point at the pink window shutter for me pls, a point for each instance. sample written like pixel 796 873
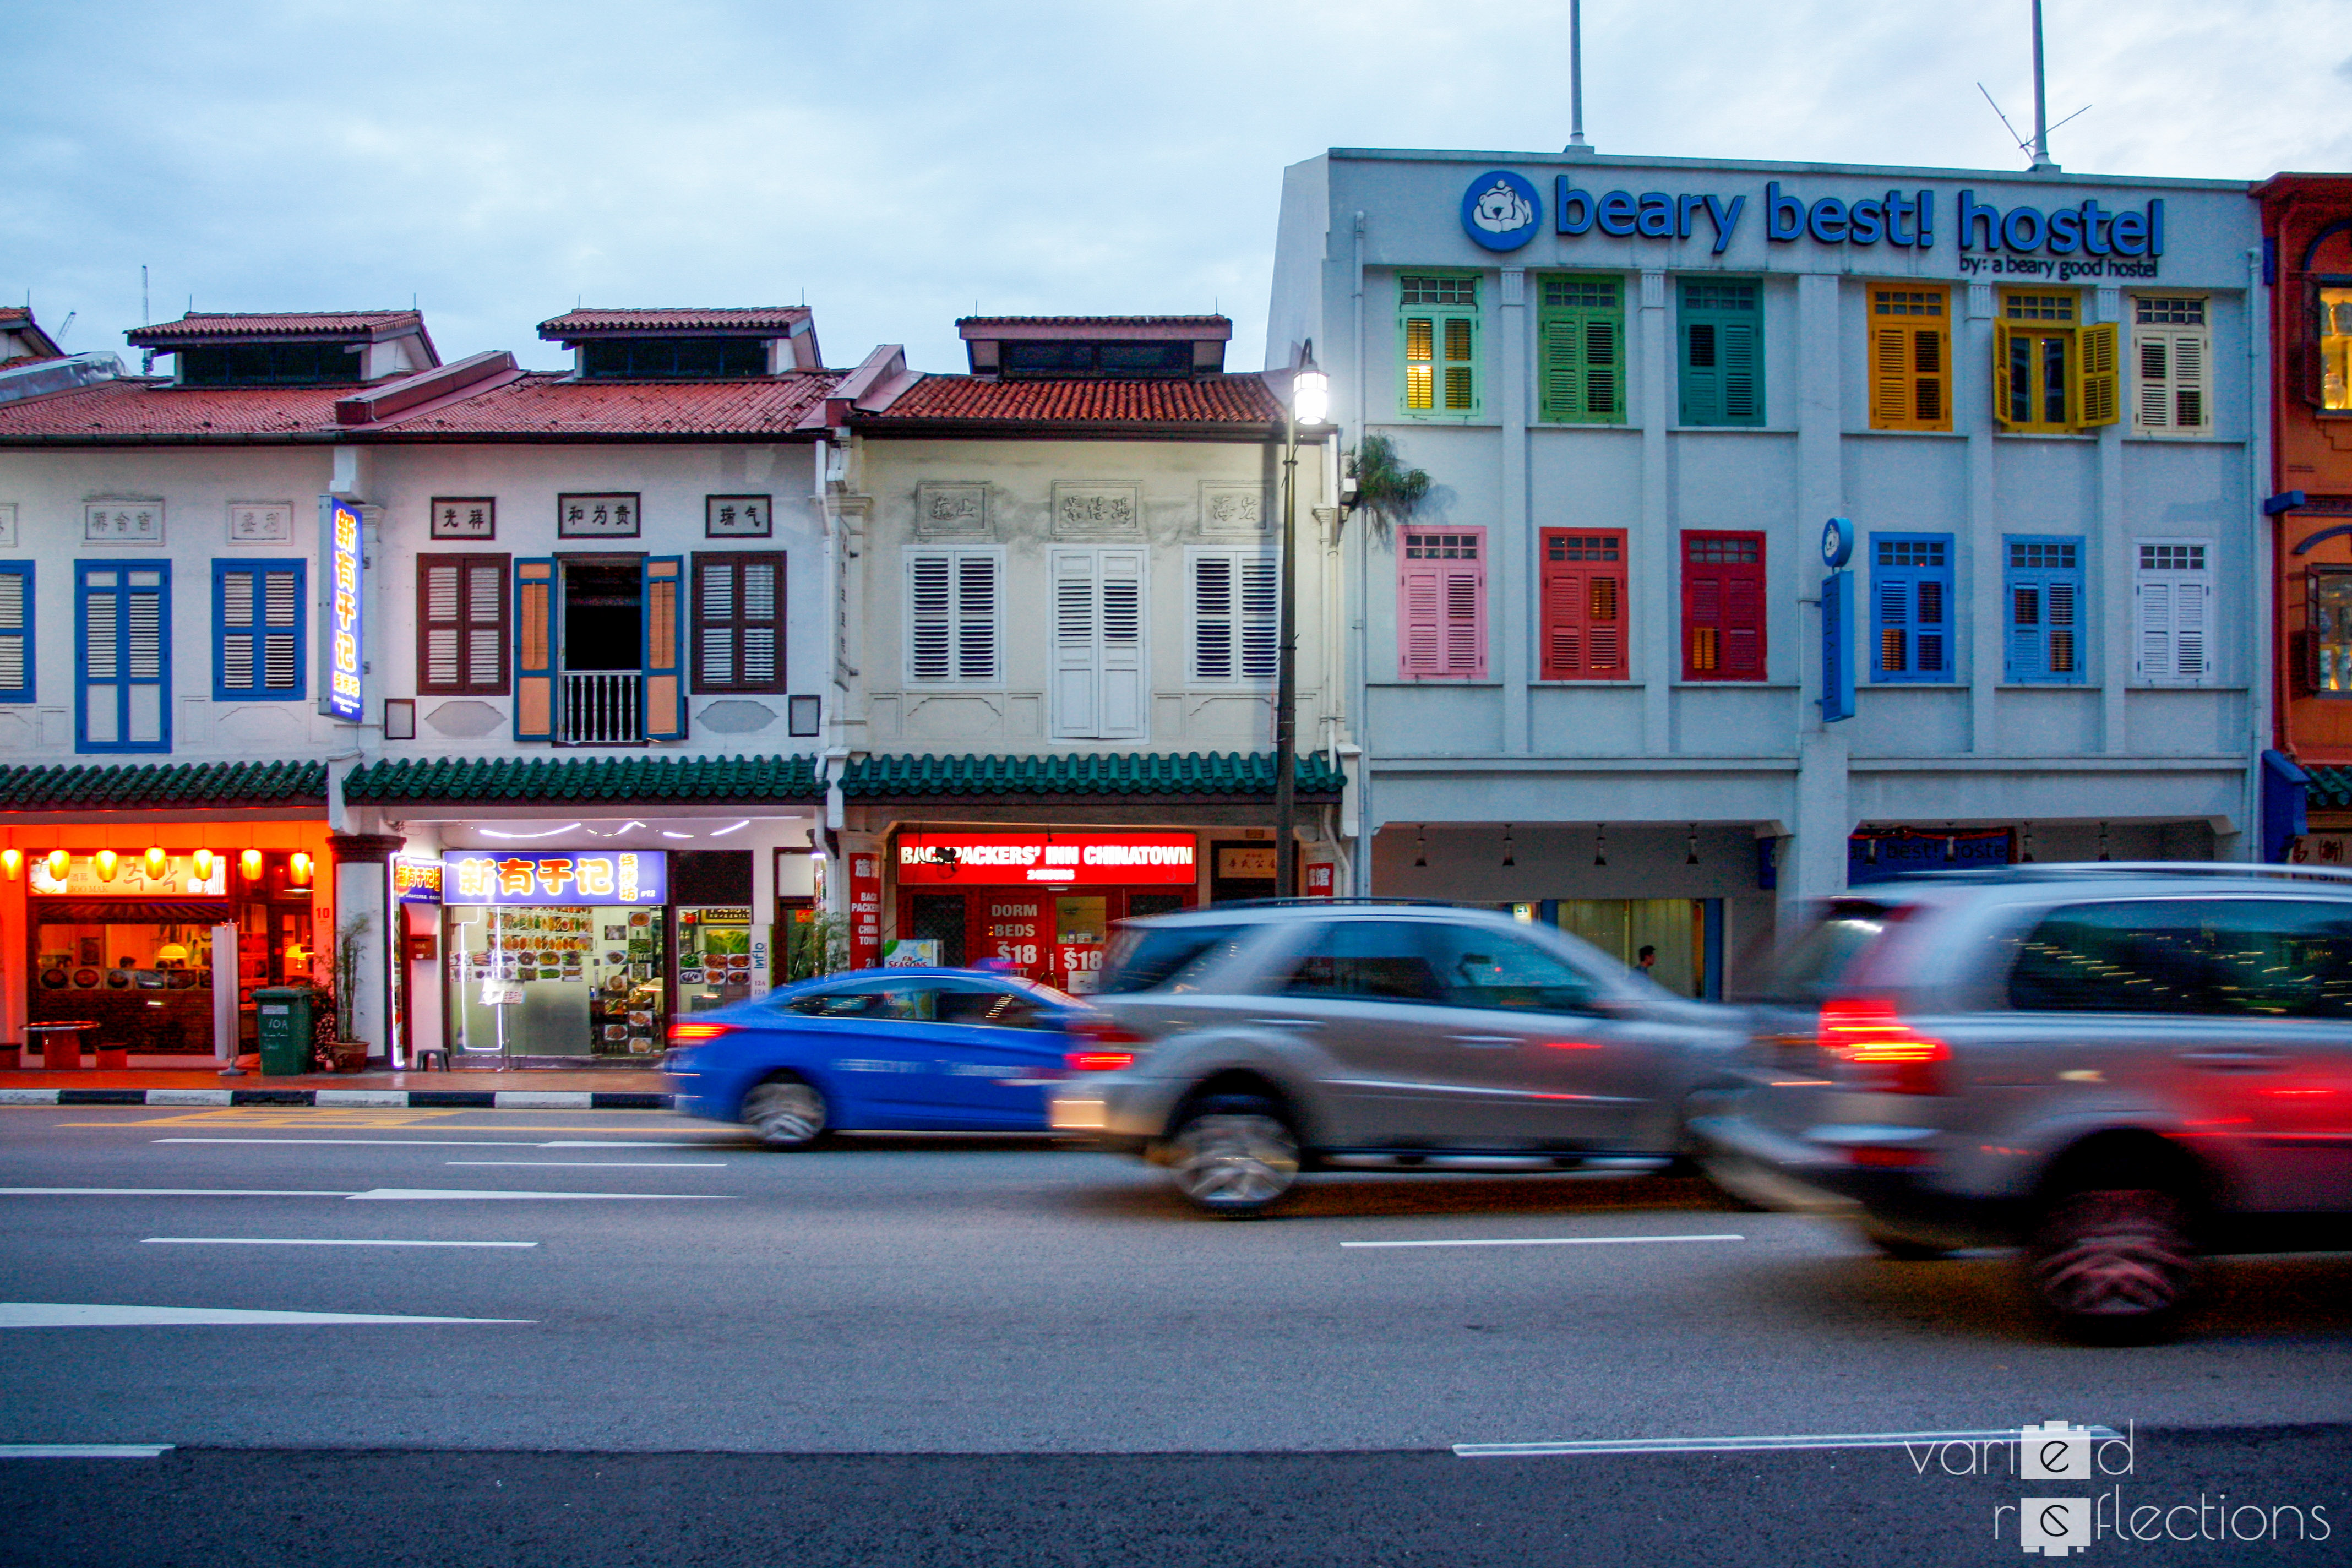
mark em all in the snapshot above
pixel 1466 622
pixel 1419 623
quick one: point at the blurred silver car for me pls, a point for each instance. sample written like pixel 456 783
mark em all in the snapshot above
pixel 1251 1042
pixel 2117 1067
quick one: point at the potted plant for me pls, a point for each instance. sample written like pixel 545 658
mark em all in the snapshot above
pixel 816 943
pixel 335 1004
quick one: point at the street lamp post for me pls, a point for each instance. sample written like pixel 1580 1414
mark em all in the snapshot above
pixel 1310 401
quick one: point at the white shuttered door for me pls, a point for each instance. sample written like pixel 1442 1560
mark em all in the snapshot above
pixel 1098 644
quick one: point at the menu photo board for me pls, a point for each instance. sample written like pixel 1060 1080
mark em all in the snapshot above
pixel 639 876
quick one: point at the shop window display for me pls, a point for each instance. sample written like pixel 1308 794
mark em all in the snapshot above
pixel 556 980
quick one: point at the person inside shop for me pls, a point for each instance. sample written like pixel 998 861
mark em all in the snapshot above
pixel 1646 961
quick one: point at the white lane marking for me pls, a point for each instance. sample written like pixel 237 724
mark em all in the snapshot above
pixel 291 1241
pixel 84 1450
pixel 1746 1445
pixel 165 1193
pixel 402 1195
pixel 1550 1241
pixel 74 1315
pixel 601 1165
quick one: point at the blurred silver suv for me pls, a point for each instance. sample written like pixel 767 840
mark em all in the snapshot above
pixel 2116 1067
pixel 1253 1041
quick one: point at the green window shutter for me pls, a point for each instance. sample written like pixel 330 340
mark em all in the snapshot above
pixel 1721 353
pixel 1580 336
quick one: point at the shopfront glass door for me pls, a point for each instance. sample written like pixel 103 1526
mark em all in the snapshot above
pixel 555 981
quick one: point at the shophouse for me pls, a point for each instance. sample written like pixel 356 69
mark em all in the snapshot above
pixel 541 641
pixel 1054 691
pixel 1591 670
pixel 2307 260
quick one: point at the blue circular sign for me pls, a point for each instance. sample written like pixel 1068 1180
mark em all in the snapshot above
pixel 1837 543
pixel 1501 210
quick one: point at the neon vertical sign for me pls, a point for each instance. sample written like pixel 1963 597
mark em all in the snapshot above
pixel 338 523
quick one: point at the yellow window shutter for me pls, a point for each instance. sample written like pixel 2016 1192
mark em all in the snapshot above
pixel 1931 378
pixel 2001 334
pixel 2099 399
pixel 1890 377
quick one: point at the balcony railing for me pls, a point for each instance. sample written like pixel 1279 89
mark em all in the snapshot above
pixel 602 707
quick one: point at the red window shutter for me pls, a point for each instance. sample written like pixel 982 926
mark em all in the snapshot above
pixel 1583 597
pixel 1724 613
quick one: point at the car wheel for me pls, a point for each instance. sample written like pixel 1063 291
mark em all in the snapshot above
pixel 2114 1264
pixel 786 1113
pixel 1234 1155
pixel 1902 1249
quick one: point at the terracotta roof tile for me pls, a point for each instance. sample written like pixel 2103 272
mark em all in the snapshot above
pixel 547 406
pixel 208 328
pixel 1240 403
pixel 971 326
pixel 777 319
pixel 539 405
pixel 131 409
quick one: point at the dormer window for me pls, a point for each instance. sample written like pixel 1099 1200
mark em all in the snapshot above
pixel 270 365
pixel 1114 360
pixel 672 359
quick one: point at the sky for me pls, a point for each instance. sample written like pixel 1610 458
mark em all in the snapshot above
pixel 897 165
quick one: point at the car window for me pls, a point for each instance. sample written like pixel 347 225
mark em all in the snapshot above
pixel 1152 958
pixel 1481 968
pixel 990 1009
pixel 900 1003
pixel 1383 959
pixel 2265 957
pixel 1810 968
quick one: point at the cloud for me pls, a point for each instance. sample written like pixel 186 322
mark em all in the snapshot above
pixel 900 165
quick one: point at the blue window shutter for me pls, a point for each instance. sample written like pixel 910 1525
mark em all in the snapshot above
pixel 17 632
pixel 259 630
pixel 1911 609
pixel 2041 609
pixel 123 645
pixel 662 612
pixel 534 648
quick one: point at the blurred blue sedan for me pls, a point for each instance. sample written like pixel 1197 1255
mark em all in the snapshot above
pixel 904 1049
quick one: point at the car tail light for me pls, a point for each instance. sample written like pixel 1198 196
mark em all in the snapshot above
pixel 696 1034
pixel 1889 1055
pixel 1103 1046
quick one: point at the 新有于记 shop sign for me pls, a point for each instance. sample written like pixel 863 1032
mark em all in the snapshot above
pixel 594 877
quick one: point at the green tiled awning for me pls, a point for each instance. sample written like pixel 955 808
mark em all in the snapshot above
pixel 2331 788
pixel 617 781
pixel 1190 775
pixel 162 786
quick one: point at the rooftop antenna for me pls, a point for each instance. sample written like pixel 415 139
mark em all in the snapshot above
pixel 1576 142
pixel 147 356
pixel 2038 149
pixel 64 327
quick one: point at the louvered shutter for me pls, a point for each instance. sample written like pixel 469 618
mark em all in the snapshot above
pixel 1078 645
pixel 1233 616
pixel 1724 615
pixel 951 615
pixel 976 612
pixel 1911 586
pixel 1125 704
pixel 1421 623
pixel 258 614
pixel 1583 371
pixel 534 648
pixel 16 646
pixel 2005 371
pixel 662 591
pixel 123 641
pixel 2169 380
pixel 2172 613
pixel 1465 621
pixel 461 623
pixel 2042 592
pixel 1583 597
pixel 738 622
pixel 2098 398
pixel 1722 372
pixel 1910 360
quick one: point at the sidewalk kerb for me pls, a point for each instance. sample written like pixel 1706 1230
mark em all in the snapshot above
pixel 28 1097
pixel 188 1097
pixel 395 1097
pixel 544 1100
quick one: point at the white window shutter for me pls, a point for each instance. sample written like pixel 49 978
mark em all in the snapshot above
pixel 1260 617
pixel 2191 405
pixel 978 606
pixel 930 617
pixel 1077 646
pixel 1125 703
pixel 2155 367
pixel 1214 618
pixel 2172 615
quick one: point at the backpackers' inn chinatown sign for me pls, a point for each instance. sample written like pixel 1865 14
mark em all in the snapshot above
pixel 1503 211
